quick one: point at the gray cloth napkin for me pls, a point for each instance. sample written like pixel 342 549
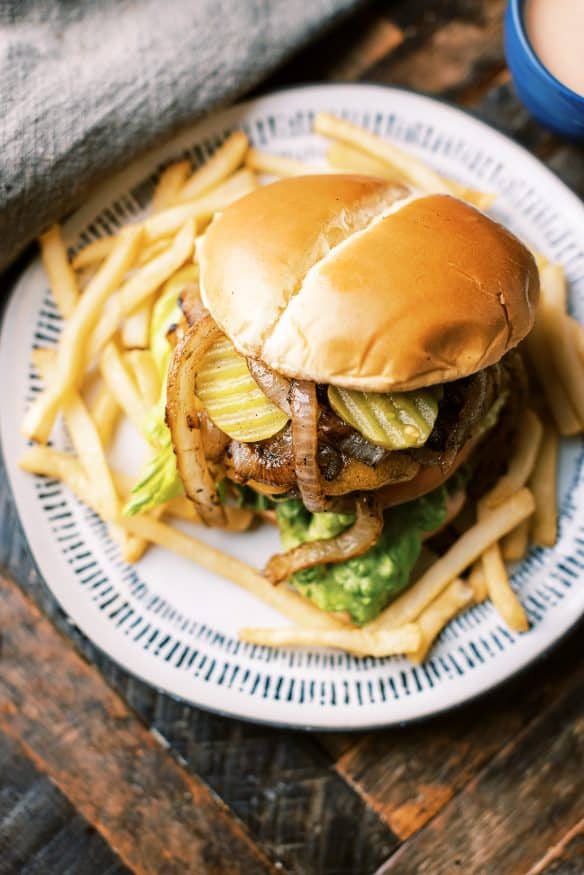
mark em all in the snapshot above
pixel 85 85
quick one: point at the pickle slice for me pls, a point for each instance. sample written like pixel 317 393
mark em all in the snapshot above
pixel 233 399
pixel 395 421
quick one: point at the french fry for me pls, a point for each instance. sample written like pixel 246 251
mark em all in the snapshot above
pixel 461 555
pixel 279 165
pixel 147 279
pixel 172 179
pixel 288 603
pixel 39 419
pixel 577 330
pixel 85 440
pixel 105 412
pixel 136 327
pixel 108 325
pixel 146 374
pixel 514 545
pixel 122 386
pixel 563 350
pixel 225 161
pixel 457 596
pixel 202 209
pixel 341 156
pixel 347 158
pixel 60 466
pixel 151 251
pixel 357 641
pixel 543 484
pixel 412 169
pixel 539 350
pixel 94 253
pixel 521 464
pixel 478 583
pixel 500 591
pixel 60 274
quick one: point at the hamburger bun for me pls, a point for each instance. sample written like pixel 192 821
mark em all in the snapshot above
pixel 350 280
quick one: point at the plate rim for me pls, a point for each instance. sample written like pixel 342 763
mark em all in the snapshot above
pixel 146 160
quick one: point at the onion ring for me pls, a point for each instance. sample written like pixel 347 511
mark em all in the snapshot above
pixel 183 420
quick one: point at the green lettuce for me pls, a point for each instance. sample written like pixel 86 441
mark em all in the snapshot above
pixel 362 586
pixel 159 480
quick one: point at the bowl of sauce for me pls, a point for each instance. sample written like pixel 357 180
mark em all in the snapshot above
pixel 544 45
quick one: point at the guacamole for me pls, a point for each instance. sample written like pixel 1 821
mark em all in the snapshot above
pixel 362 586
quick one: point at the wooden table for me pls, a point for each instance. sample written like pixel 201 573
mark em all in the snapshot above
pixel 101 774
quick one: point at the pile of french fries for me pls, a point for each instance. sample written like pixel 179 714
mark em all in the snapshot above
pixel 102 371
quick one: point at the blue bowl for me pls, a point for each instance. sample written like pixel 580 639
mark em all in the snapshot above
pixel 547 99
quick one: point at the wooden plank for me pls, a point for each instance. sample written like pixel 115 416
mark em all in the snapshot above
pixel 282 785
pixel 452 58
pixel 565 858
pixel 409 775
pixel 113 771
pixel 40 831
pixel 518 807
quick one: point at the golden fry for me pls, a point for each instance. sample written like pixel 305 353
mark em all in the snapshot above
pixel 514 545
pixel 60 274
pixel 93 253
pixel 439 613
pixel 71 358
pixel 288 603
pixel 543 484
pixel 172 179
pixel 225 161
pixel 577 330
pixel 522 462
pixel 564 353
pixel 122 386
pixel 136 327
pixel 202 209
pixel 105 412
pixel 146 374
pixel 279 165
pixel 463 553
pixel 357 641
pixel 539 350
pixel 478 583
pixel 500 592
pixel 344 157
pixel 415 171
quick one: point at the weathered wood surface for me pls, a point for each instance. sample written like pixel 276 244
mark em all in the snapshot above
pixel 495 787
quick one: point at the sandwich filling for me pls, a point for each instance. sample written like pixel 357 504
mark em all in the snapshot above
pixel 352 510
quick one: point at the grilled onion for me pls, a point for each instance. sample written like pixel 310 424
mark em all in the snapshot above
pixel 273 385
pixel 304 409
pixel 355 541
pixel 183 420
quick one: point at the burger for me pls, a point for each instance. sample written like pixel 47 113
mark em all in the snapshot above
pixel 349 366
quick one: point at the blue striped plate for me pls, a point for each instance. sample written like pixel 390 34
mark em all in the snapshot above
pixel 175 625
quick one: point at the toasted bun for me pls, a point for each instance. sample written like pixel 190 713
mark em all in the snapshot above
pixel 347 280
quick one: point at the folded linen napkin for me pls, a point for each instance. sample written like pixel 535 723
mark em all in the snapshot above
pixel 85 85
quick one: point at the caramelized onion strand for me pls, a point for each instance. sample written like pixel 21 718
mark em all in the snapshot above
pixel 183 420
pixel 355 541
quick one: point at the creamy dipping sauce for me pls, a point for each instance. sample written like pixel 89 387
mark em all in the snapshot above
pixel 556 32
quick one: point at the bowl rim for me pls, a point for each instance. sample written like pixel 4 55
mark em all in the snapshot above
pixel 516 12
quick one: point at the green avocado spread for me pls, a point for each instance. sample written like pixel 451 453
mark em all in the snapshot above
pixel 362 586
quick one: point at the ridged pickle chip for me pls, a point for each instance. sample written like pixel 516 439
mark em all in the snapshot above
pixel 233 399
pixel 395 421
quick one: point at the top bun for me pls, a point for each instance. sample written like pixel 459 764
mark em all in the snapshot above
pixel 349 280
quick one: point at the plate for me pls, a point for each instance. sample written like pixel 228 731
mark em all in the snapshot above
pixel 174 625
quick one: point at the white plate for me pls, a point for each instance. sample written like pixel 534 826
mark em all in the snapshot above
pixel 175 625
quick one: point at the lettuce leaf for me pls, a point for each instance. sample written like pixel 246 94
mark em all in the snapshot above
pixel 362 586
